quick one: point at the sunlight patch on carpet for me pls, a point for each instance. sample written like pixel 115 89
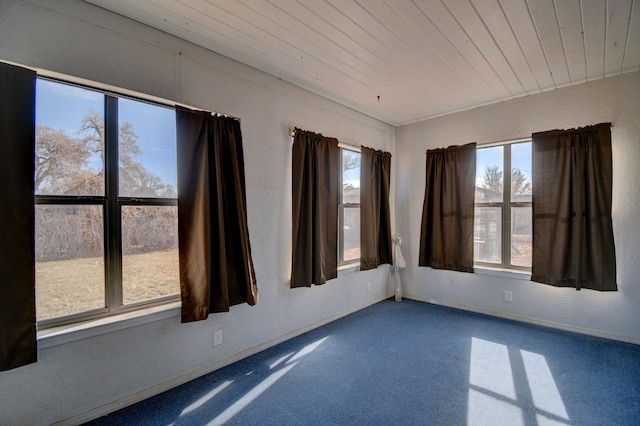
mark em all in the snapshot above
pixel 494 397
pixel 307 349
pixel 240 404
pixel 544 391
pixel 201 401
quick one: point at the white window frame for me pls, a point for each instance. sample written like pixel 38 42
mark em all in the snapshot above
pixel 505 206
pixel 341 210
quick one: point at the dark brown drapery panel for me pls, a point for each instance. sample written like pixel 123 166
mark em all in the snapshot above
pixel 446 233
pixel 216 268
pixel 316 168
pixel 375 215
pixel 572 229
pixel 17 246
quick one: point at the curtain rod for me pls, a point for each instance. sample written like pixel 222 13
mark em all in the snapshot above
pixel 292 133
pixel 515 140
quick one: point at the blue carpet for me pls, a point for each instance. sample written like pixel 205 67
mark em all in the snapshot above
pixel 412 363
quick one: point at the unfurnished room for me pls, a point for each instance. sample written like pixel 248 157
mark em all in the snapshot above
pixel 304 212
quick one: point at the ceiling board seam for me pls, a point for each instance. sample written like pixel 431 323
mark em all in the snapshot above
pixel 486 27
pixel 261 53
pixel 480 74
pixel 626 40
pixel 292 66
pixel 320 35
pixel 453 46
pixel 544 53
pixel 282 40
pixel 345 35
pixel 423 59
pixel 382 59
pixel 564 47
pixel 478 49
pixel 183 33
pixel 436 52
pixel 584 42
pixel 423 78
pixel 339 71
pixel 519 44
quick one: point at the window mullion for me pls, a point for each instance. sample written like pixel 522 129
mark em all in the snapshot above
pixel 113 240
pixel 506 209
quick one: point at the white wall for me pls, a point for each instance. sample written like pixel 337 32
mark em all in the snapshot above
pixel 614 314
pixel 79 380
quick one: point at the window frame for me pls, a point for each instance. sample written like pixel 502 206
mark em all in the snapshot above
pixel 112 205
pixel 506 207
pixel 341 210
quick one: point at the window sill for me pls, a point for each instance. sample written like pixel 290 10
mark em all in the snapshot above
pixel 348 269
pixel 83 330
pixel 500 272
pixel 73 332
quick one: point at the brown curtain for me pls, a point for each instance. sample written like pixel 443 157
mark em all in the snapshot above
pixel 17 246
pixel 316 168
pixel 216 268
pixel 375 215
pixel 446 233
pixel 572 229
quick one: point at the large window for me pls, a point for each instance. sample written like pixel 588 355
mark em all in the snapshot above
pixel 106 203
pixel 349 211
pixel 502 225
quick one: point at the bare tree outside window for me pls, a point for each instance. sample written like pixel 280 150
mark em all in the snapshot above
pixel 492 181
pixel 70 181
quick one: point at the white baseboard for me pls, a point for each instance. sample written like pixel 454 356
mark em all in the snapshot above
pixel 535 321
pixel 201 371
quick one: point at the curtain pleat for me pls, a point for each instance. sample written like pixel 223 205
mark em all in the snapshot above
pixel 573 242
pixel 375 214
pixel 216 267
pixel 446 233
pixel 315 174
pixel 18 345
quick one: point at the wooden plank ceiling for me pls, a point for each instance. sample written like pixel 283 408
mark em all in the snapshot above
pixel 406 60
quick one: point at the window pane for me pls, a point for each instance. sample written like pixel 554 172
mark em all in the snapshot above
pixel 350 177
pixel 521 236
pixel 487 234
pixel 149 252
pixel 69 260
pixel 351 233
pixel 489 175
pixel 521 172
pixel 147 150
pixel 69 140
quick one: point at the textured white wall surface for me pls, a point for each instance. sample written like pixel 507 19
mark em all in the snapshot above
pixel 611 314
pixel 75 381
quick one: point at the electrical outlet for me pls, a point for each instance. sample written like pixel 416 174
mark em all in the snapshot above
pixel 217 337
pixel 368 286
pixel 508 296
